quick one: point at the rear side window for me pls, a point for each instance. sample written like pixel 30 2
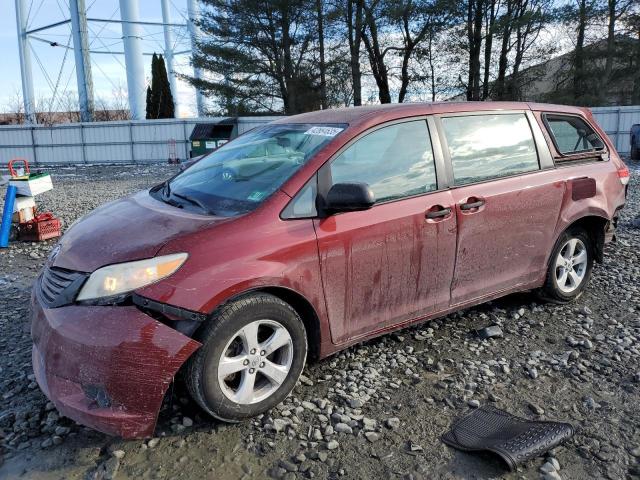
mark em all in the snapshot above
pixel 572 134
pixel 483 147
pixel 395 161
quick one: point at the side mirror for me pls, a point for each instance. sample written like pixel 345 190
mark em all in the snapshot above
pixel 349 197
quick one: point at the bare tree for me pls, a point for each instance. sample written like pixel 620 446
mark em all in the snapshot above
pixel 14 109
pixel 353 15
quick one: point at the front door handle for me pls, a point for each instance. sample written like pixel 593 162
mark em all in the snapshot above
pixel 438 211
pixel 473 203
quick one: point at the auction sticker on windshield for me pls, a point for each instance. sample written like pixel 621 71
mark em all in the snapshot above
pixel 324 131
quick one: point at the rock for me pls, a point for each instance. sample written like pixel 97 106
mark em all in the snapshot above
pixel 107 470
pixel 635 452
pixel 393 423
pixel 372 436
pixel 584 310
pixel 119 454
pixel 552 476
pixel 536 409
pixel 309 406
pixel 288 466
pixel 187 422
pixel 547 468
pixel 554 462
pixel 152 443
pixel 369 423
pixel 279 424
pixel 473 403
pixel 62 430
pixel 343 428
pixel 414 447
pixel 492 331
pixel 332 445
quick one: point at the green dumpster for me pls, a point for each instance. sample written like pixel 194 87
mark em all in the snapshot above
pixel 206 137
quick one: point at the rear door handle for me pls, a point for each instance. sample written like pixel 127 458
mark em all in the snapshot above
pixel 438 211
pixel 471 205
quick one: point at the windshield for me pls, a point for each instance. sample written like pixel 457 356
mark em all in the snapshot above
pixel 240 175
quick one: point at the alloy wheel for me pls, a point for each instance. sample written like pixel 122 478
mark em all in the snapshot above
pixel 255 362
pixel 571 265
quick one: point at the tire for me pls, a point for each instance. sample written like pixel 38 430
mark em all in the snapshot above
pixel 227 339
pixel 561 288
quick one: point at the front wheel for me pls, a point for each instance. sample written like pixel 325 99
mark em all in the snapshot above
pixel 254 350
pixel 570 267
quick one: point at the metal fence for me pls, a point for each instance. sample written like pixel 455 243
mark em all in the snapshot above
pixel 617 121
pixel 147 141
pixel 144 141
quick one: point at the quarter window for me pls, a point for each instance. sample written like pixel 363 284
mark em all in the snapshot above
pixel 395 161
pixel 573 135
pixel 483 147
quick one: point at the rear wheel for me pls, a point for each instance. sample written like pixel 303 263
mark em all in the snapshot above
pixel 570 266
pixel 254 350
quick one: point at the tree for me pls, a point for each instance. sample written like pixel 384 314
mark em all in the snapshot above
pixel 159 97
pixel 530 17
pixel 258 55
pixel 322 63
pixel 615 10
pixel 475 14
pixel 353 14
pixel 395 32
pixel 490 20
pixel 633 21
pixel 581 14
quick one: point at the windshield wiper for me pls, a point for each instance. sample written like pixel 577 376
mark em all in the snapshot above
pixel 195 202
pixel 166 190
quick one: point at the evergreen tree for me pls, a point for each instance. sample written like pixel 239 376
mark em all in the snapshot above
pixel 159 97
pixel 149 104
pixel 260 55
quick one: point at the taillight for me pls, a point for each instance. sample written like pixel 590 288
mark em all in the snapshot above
pixel 624 175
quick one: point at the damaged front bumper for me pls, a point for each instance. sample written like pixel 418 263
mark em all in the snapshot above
pixel 107 367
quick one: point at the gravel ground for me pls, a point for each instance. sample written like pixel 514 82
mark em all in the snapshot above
pixel 376 410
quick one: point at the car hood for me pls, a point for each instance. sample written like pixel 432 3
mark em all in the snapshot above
pixel 131 228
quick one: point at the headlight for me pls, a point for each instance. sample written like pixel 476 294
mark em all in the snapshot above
pixel 125 277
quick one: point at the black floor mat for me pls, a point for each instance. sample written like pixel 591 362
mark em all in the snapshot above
pixel 514 439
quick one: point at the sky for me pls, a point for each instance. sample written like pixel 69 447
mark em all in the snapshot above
pixel 54 71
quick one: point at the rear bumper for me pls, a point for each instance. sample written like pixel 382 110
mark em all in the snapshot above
pixel 106 367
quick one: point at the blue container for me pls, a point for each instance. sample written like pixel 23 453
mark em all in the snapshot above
pixel 7 213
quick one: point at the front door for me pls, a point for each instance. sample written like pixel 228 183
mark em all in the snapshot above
pixel 506 206
pixel 394 262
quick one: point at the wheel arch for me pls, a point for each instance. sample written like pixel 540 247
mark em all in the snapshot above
pixel 299 303
pixel 595 226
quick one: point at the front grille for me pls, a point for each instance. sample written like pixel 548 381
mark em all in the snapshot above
pixel 59 287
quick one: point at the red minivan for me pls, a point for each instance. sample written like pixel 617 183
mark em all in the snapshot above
pixel 310 234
